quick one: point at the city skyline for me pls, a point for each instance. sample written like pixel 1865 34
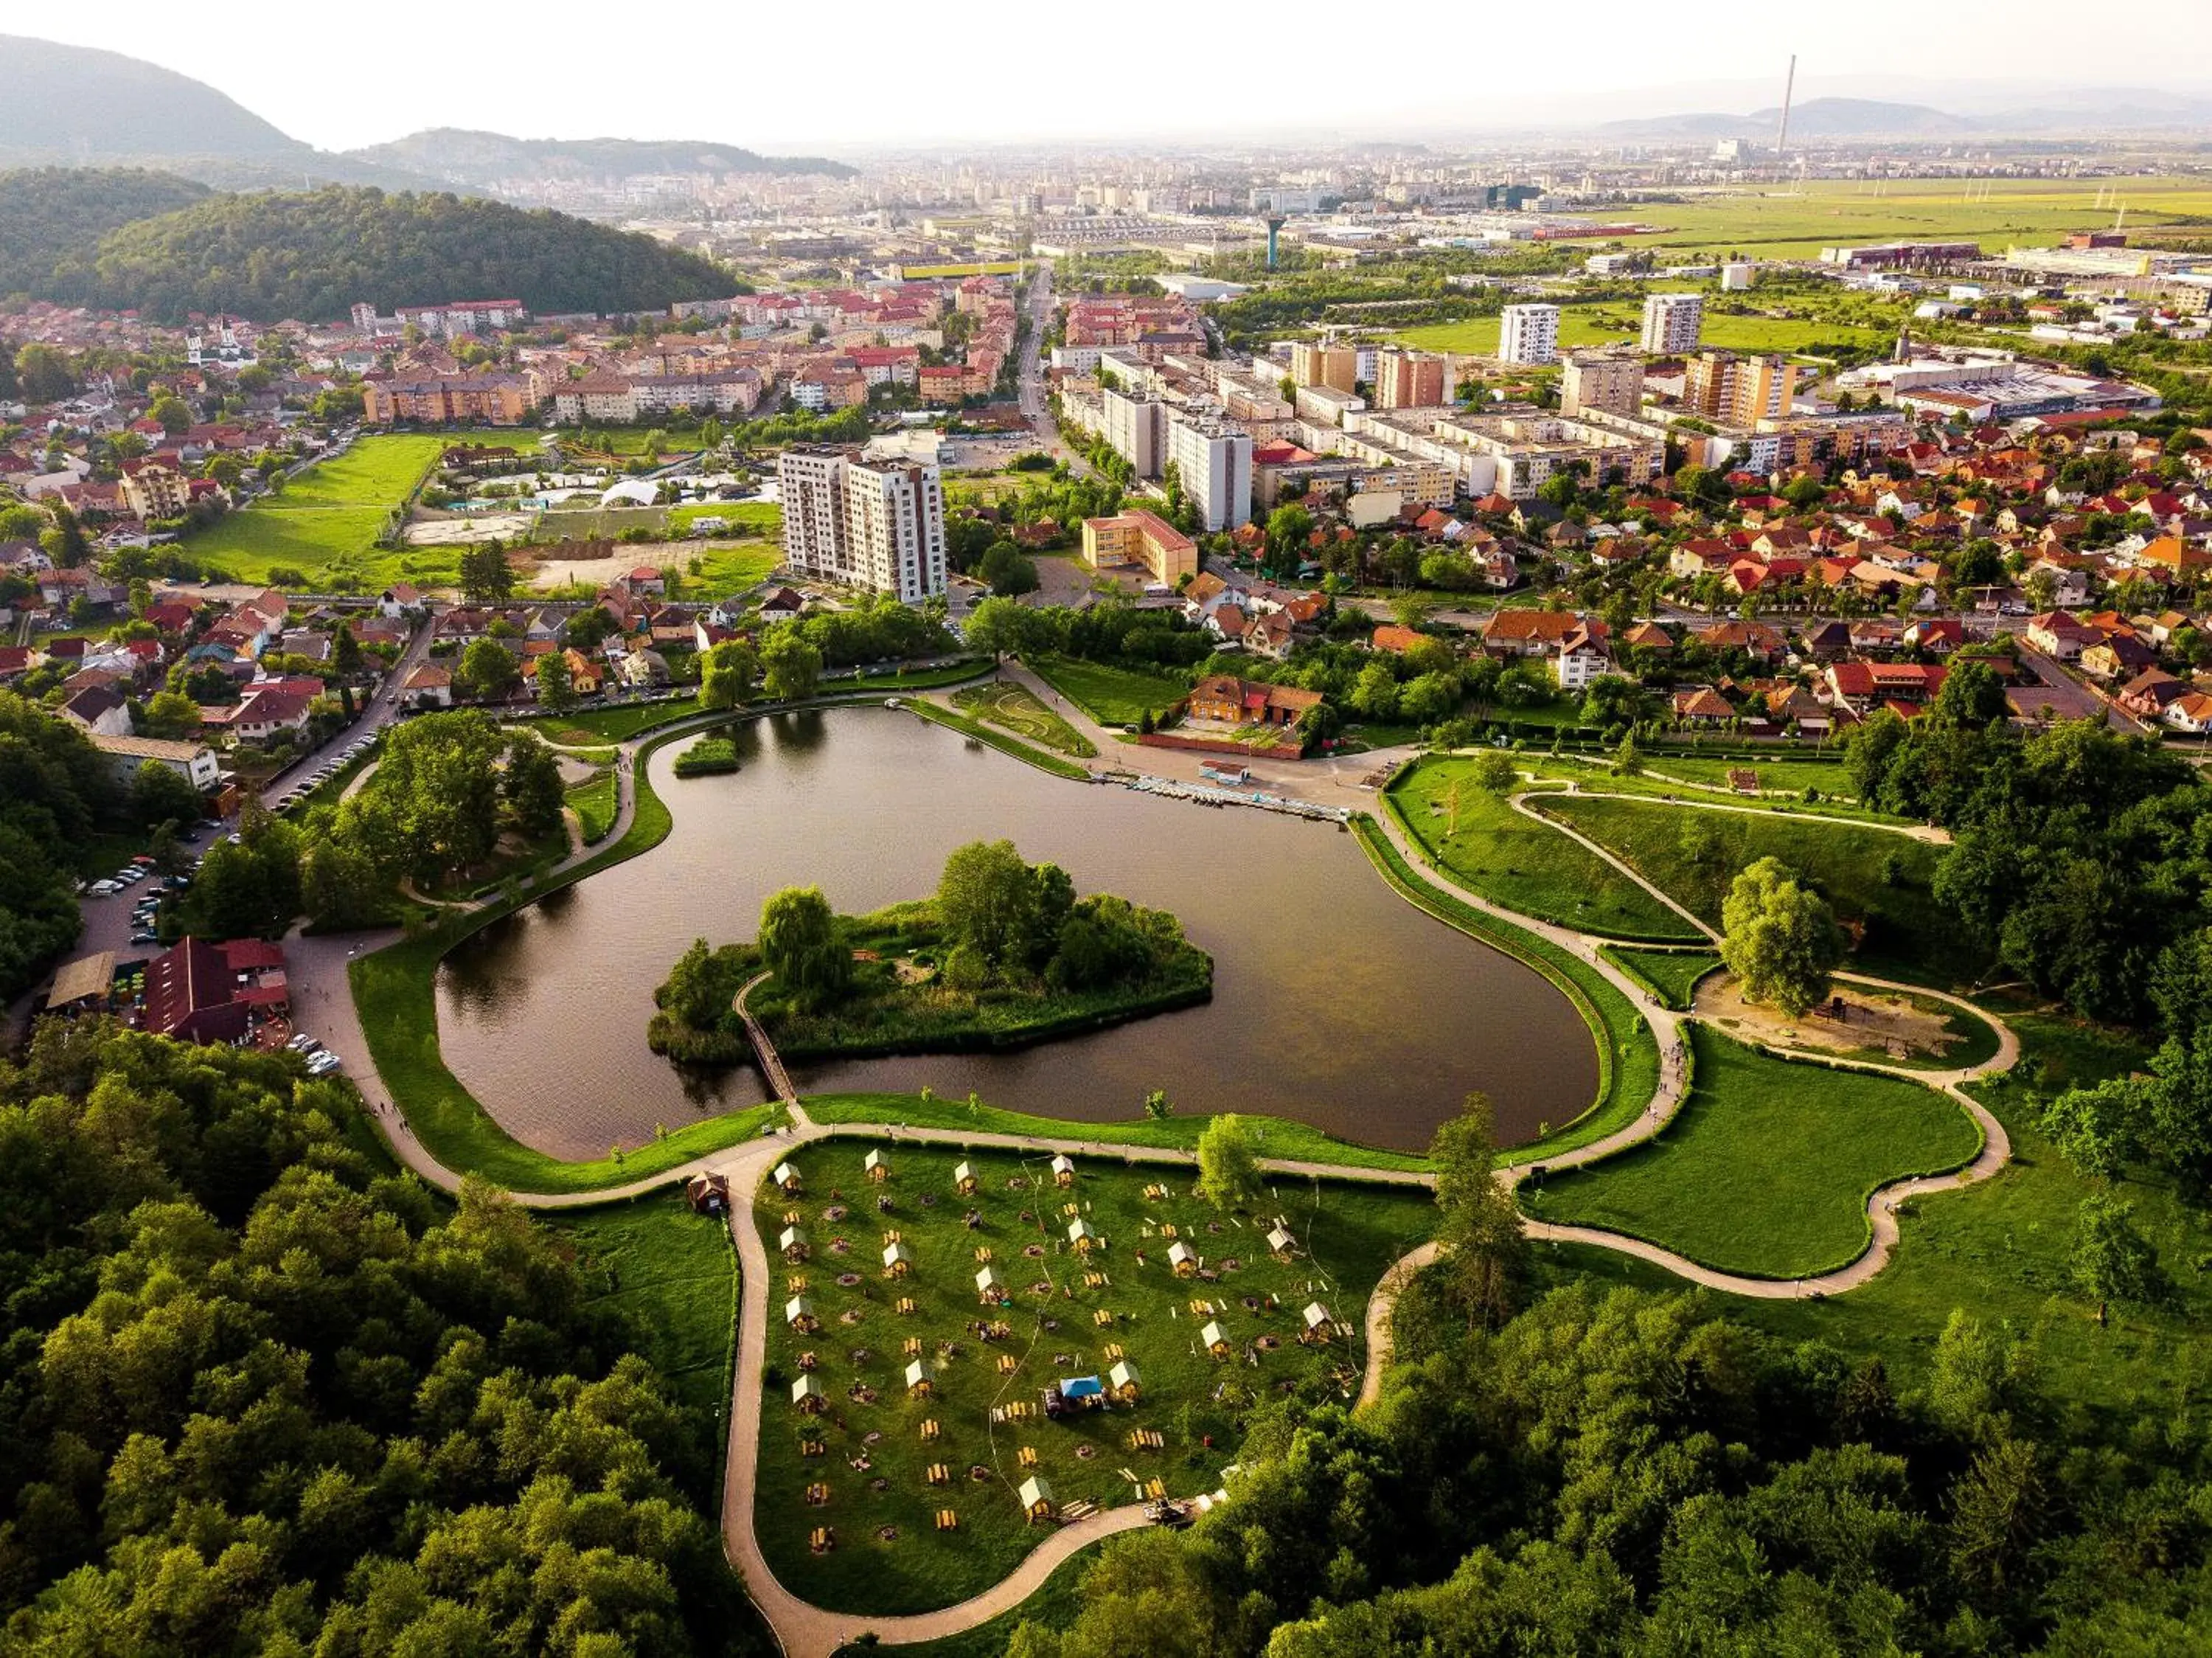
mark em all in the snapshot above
pixel 714 90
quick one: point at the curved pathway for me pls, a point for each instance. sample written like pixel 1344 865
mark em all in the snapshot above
pixel 805 1630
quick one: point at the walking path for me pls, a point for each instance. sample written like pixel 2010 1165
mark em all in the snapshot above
pixel 805 1631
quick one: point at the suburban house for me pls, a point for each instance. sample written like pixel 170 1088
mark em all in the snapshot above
pixel 1232 701
pixel 195 762
pixel 1582 657
pixel 428 686
pixel 2057 635
pixel 99 710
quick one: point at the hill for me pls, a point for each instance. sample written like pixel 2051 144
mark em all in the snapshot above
pixel 268 257
pixel 481 160
pixel 77 107
pixel 1816 118
pixel 56 216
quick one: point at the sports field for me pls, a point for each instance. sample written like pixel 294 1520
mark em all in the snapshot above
pixel 325 522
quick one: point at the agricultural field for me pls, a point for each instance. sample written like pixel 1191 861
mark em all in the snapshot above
pixel 1484 844
pixel 1798 222
pixel 1004 704
pixel 1111 696
pixel 326 522
pixel 1065 1315
pixel 1768 1168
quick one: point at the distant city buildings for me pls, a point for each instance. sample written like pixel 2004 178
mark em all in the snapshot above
pixel 1672 323
pixel 865 524
pixel 1336 367
pixel 1528 334
pixel 1134 428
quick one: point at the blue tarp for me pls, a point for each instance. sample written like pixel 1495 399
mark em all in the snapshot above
pixel 1081 1388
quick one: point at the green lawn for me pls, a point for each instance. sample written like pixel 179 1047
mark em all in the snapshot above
pixel 619 724
pixel 1003 703
pixel 595 806
pixel 1615 321
pixel 2001 1250
pixel 1661 779
pixel 1111 696
pixel 1874 880
pixel 1005 742
pixel 763 518
pixel 1272 1137
pixel 1347 1236
pixel 1673 974
pixel 326 522
pixel 1768 1168
pixel 674 1273
pixel 1486 845
pixel 727 567
pixel 1628 1056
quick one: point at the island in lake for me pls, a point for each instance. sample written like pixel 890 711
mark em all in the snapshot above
pixel 1002 955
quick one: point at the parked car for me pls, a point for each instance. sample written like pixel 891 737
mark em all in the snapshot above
pixel 324 1064
pixel 301 1042
pixel 104 888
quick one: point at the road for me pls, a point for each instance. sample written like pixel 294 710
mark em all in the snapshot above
pixel 381 710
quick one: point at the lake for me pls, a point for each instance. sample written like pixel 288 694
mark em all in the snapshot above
pixel 1335 1003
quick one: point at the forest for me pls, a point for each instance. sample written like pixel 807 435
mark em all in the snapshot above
pixel 56 790
pixel 269 256
pixel 259 1394
pixel 1621 1472
pixel 57 215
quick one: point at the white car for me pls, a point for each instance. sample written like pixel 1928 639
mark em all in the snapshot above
pixel 105 889
pixel 301 1042
pixel 324 1064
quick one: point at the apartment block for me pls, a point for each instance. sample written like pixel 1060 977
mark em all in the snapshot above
pixel 1673 323
pixel 1528 334
pixel 1739 391
pixel 1135 429
pixel 490 400
pixel 877 525
pixel 1214 462
pixel 1138 537
pixel 1612 382
pixel 1336 367
pixel 1411 380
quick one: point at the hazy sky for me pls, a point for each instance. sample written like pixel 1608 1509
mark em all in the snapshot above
pixel 860 72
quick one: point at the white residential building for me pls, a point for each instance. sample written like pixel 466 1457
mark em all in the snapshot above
pixel 878 525
pixel 1133 427
pixel 1529 333
pixel 1673 323
pixel 1214 462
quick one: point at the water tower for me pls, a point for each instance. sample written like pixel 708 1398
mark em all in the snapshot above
pixel 1275 221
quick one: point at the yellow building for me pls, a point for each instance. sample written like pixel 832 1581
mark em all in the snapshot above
pixel 1336 367
pixel 1138 537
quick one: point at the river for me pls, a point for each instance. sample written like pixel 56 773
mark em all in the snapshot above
pixel 1334 1002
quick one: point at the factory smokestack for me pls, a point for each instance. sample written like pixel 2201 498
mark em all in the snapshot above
pixel 1782 135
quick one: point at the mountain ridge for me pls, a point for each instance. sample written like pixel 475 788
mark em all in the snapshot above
pixel 472 157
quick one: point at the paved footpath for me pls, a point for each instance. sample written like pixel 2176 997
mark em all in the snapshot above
pixel 805 1630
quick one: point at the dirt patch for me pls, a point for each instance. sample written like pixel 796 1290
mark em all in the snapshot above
pixel 1856 1020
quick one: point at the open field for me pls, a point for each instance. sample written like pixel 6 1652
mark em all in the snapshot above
pixel 873 1458
pixel 1797 222
pixel 676 1274
pixel 1768 1168
pixel 1512 860
pixel 2001 1251
pixel 1111 696
pixel 326 522
pixel 1876 881
pixel 1616 321
pixel 1002 702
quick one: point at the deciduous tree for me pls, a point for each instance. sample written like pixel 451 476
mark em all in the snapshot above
pixel 1778 938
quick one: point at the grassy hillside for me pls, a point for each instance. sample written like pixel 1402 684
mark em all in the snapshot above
pixel 459 155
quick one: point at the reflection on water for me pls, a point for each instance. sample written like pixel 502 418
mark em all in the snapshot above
pixel 1335 1001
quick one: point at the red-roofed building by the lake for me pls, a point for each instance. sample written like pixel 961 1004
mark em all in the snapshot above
pixel 197 991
